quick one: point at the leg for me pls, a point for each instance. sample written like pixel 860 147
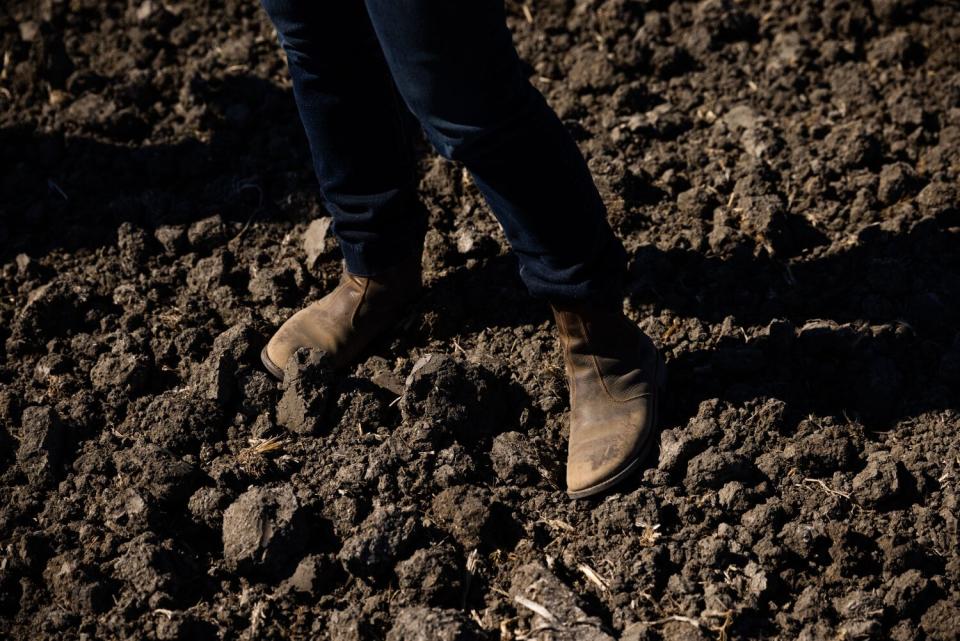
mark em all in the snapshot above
pixel 363 159
pixel 354 123
pixel 455 66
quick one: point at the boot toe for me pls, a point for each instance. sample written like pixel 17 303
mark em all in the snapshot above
pixel 278 351
pixel 269 364
pixel 281 346
pixel 596 464
pixel 593 463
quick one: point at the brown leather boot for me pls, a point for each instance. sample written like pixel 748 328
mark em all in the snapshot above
pixel 615 374
pixel 347 319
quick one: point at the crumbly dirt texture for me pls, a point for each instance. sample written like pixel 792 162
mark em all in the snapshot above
pixel 784 176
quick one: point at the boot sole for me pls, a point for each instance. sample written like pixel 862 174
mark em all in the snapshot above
pixel 660 380
pixel 270 366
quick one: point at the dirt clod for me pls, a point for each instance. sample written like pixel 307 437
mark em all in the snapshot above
pixel 513 460
pixel 121 370
pixel 882 481
pixel 545 600
pixel 384 538
pixel 896 181
pixel 42 443
pixel 434 575
pixel 315 240
pixel 469 514
pixel 429 624
pixel 264 529
pixel 459 398
pixel 206 233
pixel 314 576
pixel 306 391
pixel 712 469
pixel 157 471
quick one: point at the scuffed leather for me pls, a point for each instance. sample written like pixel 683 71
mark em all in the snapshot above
pixel 346 320
pixel 612 371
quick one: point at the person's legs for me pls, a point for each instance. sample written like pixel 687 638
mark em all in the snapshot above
pixel 364 161
pixel 354 122
pixel 455 66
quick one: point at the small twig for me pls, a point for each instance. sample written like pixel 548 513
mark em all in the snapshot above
pixel 826 488
pixel 468 579
pixel 260 447
pixel 591 574
pixel 476 617
pixel 535 607
pixel 56 188
pixel 674 617
pixel 246 225
pixel 721 630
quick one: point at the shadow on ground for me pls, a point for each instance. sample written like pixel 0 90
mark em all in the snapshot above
pixel 71 191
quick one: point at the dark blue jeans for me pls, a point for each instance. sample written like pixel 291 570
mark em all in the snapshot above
pixel 361 67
